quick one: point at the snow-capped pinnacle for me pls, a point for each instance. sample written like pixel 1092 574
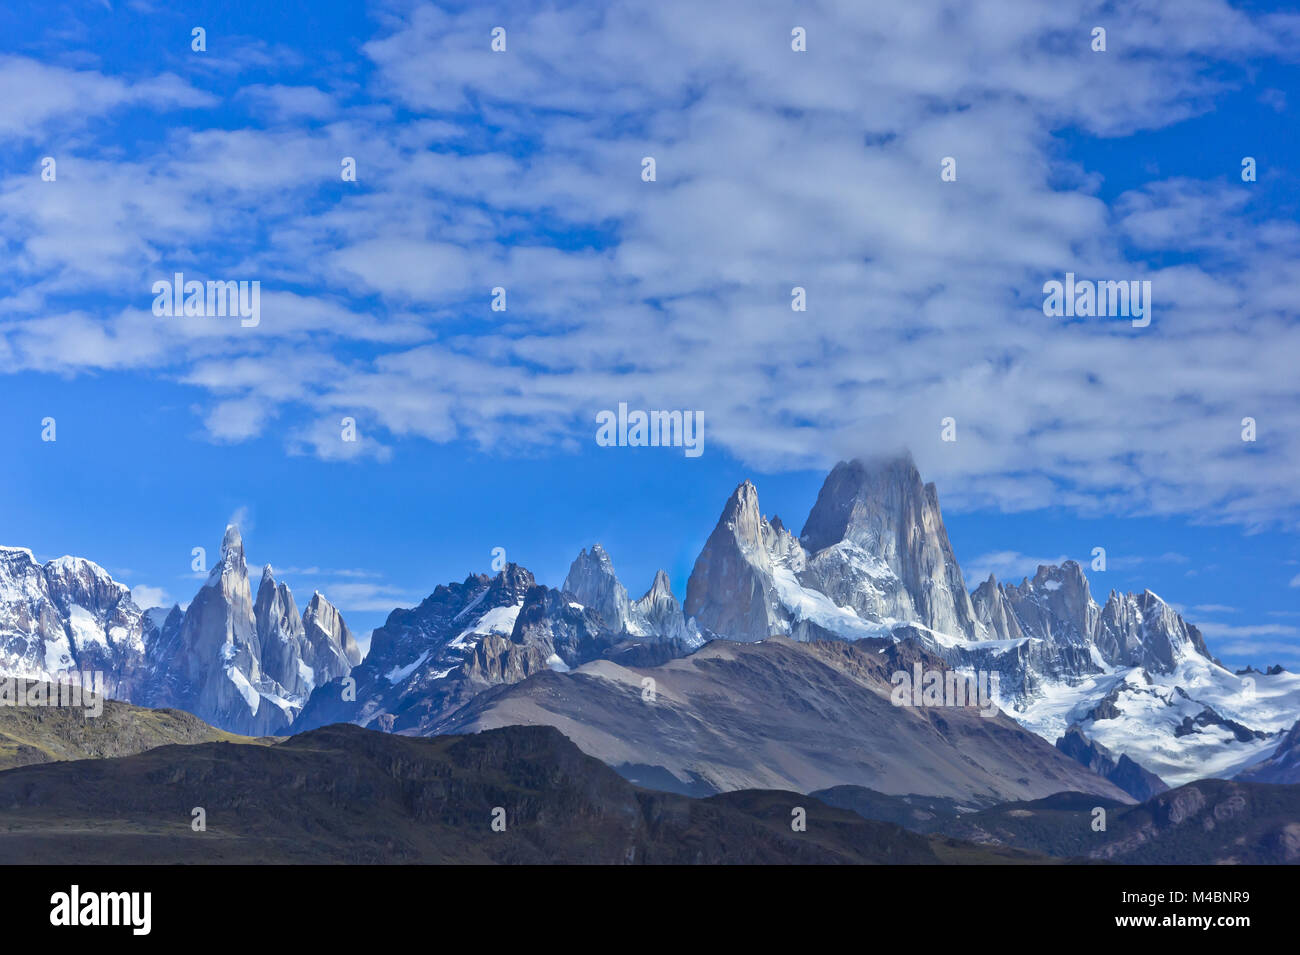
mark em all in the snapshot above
pixel 267 573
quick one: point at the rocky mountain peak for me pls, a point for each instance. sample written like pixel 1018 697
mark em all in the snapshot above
pixel 864 501
pixel 510 586
pixel 731 589
pixel 1067 576
pixel 878 512
pixel 334 648
pixel 662 587
pixel 592 580
pixel 231 542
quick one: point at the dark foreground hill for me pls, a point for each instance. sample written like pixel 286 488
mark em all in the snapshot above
pixel 342 794
pixel 1210 821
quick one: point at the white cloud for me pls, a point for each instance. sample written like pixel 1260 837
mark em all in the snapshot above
pixel 238 419
pixel 775 169
pixel 146 596
pixel 41 93
pixel 1231 631
pixel 289 102
pixel 372 597
pixel 1008 566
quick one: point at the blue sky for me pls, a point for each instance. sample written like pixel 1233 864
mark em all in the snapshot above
pixel 775 169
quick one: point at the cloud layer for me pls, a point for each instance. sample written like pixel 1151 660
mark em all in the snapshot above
pixel 775 169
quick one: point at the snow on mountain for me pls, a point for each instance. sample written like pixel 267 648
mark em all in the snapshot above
pixel 874 560
pixel 467 637
pixel 241 665
pixel 68 616
pixel 1127 677
pixel 1195 720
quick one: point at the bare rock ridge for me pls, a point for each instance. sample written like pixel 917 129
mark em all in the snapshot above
pixel 486 632
pixel 657 614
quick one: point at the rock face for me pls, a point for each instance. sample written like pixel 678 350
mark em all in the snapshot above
pixel 219 626
pixel 282 636
pixel 243 666
pixel 732 590
pixel 1123 772
pixel 69 616
pixel 1142 630
pixel 873 554
pixel 591 579
pixel 658 613
pixel 1056 608
pixel 330 649
pixel 879 516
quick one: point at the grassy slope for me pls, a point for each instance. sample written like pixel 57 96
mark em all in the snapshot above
pixel 37 734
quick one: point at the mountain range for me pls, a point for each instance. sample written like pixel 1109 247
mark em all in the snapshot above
pixel 246 666
pixel 776 671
